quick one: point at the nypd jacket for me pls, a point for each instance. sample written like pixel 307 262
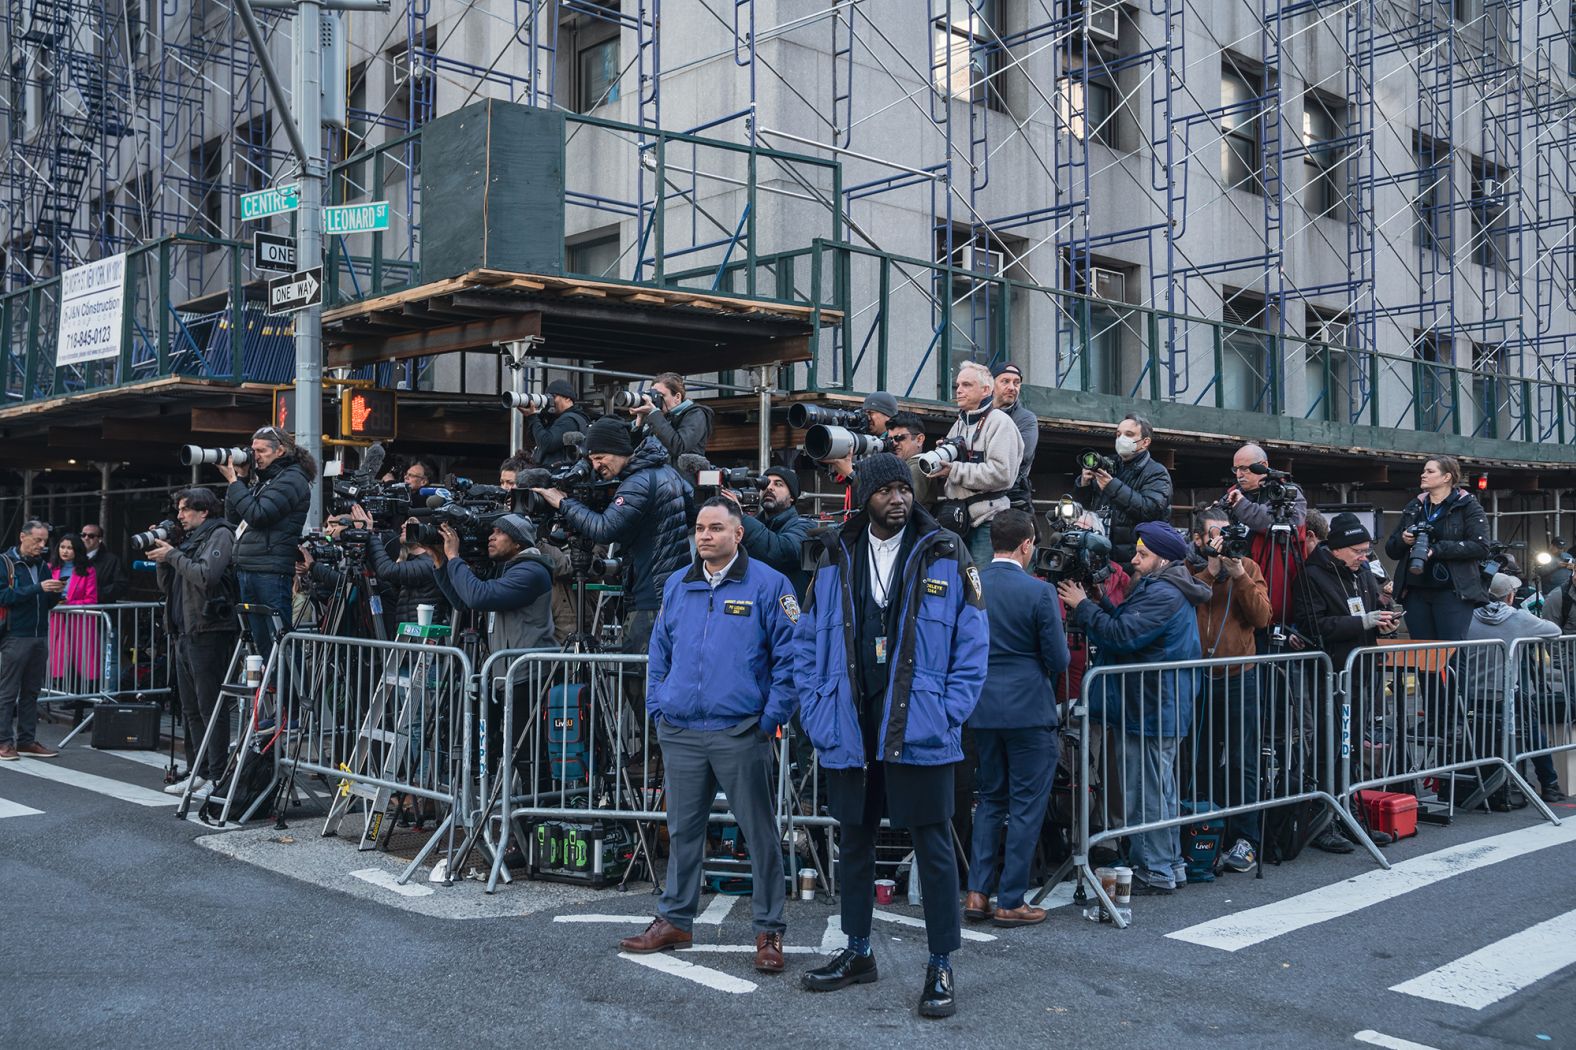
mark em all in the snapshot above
pixel 779 543
pixel 938 659
pixel 721 655
pixel 648 516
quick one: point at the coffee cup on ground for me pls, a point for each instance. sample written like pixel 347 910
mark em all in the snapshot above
pixel 886 889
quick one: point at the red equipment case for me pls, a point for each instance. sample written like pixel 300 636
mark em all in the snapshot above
pixel 1392 812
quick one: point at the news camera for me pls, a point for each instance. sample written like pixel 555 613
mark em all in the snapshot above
pixel 1076 554
pixel 1236 541
pixel 745 484
pixel 827 444
pixel 1089 459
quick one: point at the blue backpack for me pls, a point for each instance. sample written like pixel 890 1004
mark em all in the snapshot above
pixel 1202 842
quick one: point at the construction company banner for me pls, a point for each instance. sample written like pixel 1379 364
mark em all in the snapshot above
pixel 91 297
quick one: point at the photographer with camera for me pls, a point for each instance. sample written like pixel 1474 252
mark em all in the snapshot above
pixel 565 417
pixel 1009 387
pixel 678 423
pixel 516 598
pixel 1442 540
pixel 776 536
pixel 1238 607
pixel 1156 624
pixel 268 500
pixel 978 461
pixel 648 514
pixel 1128 491
pixel 1263 499
pixel 197 581
pixel 413 573
pixel 907 434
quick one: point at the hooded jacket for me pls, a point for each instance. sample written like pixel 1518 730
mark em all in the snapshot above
pixel 1322 613
pixel 199 567
pixel 938 658
pixel 1460 545
pixel 516 601
pixel 1157 622
pixel 272 504
pixel 995 451
pixel 684 428
pixel 1139 491
pixel 1559 607
pixel 1483 676
pixel 647 515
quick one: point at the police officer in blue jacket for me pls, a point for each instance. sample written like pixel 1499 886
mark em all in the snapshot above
pixel 890 657
pixel 719 684
pixel 1014 726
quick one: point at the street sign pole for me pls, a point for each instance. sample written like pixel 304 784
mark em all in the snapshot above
pixel 309 235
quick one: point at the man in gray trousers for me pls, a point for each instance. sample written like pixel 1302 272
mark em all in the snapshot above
pixel 719 685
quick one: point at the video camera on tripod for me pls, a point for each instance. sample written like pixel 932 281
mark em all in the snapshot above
pixel 744 483
pixel 1071 552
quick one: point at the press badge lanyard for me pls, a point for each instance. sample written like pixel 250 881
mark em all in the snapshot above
pixel 881 598
pixel 1354 602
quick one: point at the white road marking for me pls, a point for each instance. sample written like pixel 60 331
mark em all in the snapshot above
pixel 1060 896
pixel 1501 969
pixel 703 975
pixel 834 939
pixel 1368 1035
pixel 16 809
pixel 389 881
pixel 741 949
pixel 904 920
pixel 1244 929
pixel 43 770
pixel 602 918
pixel 159 760
pixel 717 910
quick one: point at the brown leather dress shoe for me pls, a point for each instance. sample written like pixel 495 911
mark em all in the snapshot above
pixel 1023 915
pixel 769 952
pixel 659 936
pixel 36 750
pixel 8 753
pixel 976 907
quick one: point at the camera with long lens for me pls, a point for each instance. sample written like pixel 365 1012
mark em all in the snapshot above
pixel 826 444
pixel 802 417
pixel 1089 459
pixel 1422 546
pixel 196 455
pixel 635 398
pixel 1079 555
pixel 949 451
pixel 535 402
pixel 745 484
pixel 1498 558
pixel 166 531
pixel 1236 541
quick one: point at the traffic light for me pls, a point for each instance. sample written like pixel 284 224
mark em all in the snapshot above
pixel 367 415
pixel 1482 483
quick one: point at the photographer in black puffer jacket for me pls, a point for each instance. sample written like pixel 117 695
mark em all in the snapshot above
pixel 267 502
pixel 1441 597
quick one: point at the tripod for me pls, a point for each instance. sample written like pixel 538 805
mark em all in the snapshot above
pixel 354 601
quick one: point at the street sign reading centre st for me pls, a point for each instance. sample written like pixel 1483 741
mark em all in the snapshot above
pixel 298 291
pixel 341 219
pixel 273 201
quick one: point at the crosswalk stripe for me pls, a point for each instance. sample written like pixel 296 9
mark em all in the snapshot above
pixel 1502 969
pixel 89 782
pixel 16 809
pixel 1390 1042
pixel 1244 929
pixel 703 975
pixel 717 910
pixel 159 760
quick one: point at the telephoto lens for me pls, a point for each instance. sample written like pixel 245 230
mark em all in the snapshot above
pixel 159 533
pixel 633 398
pixel 802 417
pixel 944 452
pixel 825 444
pixel 538 402
pixel 196 455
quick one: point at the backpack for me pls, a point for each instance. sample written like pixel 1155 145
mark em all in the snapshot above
pixel 1288 828
pixel 255 776
pixel 1202 842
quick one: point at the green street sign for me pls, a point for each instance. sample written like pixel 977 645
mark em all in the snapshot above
pixel 356 218
pixel 272 201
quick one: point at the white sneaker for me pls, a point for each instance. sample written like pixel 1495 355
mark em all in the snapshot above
pixel 177 787
pixel 203 790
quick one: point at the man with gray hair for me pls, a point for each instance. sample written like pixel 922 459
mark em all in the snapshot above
pixel 1248 502
pixel 28 592
pixel 984 468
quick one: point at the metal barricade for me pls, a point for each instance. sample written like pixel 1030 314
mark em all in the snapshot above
pixel 1431 716
pixel 380 720
pixel 574 743
pixel 1163 745
pixel 97 652
pixel 1540 727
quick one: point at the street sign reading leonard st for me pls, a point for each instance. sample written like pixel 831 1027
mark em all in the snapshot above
pixel 277 254
pixel 298 291
pixel 355 218
pixel 273 201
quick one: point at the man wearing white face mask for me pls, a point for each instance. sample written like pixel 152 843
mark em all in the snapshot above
pixel 1138 491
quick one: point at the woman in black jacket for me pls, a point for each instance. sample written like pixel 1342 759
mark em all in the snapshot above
pixel 1440 598
pixel 414 576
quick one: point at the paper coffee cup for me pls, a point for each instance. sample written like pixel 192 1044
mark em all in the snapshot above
pixel 807 884
pixel 254 670
pixel 886 889
pixel 1124 886
pixel 424 614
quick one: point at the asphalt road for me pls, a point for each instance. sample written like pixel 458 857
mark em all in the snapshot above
pixel 126 927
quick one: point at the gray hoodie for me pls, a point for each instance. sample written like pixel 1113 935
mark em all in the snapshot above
pixel 1483 673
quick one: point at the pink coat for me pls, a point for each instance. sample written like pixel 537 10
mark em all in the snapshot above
pixel 75 640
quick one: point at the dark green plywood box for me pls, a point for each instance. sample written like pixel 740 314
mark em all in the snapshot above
pixel 492 191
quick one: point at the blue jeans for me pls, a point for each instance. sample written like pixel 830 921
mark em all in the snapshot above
pixel 1149 793
pixel 1017 769
pixel 270 589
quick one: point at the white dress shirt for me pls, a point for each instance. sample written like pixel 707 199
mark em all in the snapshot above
pixel 714 578
pixel 883 567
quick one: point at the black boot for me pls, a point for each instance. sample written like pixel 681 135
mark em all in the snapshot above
pixel 847 967
pixel 936 999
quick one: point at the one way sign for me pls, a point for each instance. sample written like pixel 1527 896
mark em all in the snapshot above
pixel 302 289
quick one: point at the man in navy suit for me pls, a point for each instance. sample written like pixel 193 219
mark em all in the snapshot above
pixel 1014 725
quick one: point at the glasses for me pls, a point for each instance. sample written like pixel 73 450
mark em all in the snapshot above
pixel 92 535
pixel 904 437
pixel 1242 470
pixel 416 475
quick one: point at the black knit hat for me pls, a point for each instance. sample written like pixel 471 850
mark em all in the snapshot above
pixel 610 436
pixel 874 473
pixel 1346 530
pixel 561 388
pixel 790 478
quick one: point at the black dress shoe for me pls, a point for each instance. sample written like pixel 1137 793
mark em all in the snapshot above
pixel 847 967
pixel 1331 841
pixel 936 1000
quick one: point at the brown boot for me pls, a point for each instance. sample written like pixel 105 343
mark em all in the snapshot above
pixel 1022 915
pixel 769 952
pixel 659 936
pixel 976 907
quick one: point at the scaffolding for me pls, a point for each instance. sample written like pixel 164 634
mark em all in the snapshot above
pixel 1291 207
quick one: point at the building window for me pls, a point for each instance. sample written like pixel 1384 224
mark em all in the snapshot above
pixel 1089 107
pixel 1323 123
pixel 412 86
pixel 595 257
pixel 1491 393
pixel 1432 202
pixel 1241 162
pixel 1431 400
pixel 253 164
pixel 1492 239
pixel 1092 359
pixel 976 305
pixel 967 54
pixel 207 175
pixel 1328 369
pixel 1244 355
pixel 597 75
